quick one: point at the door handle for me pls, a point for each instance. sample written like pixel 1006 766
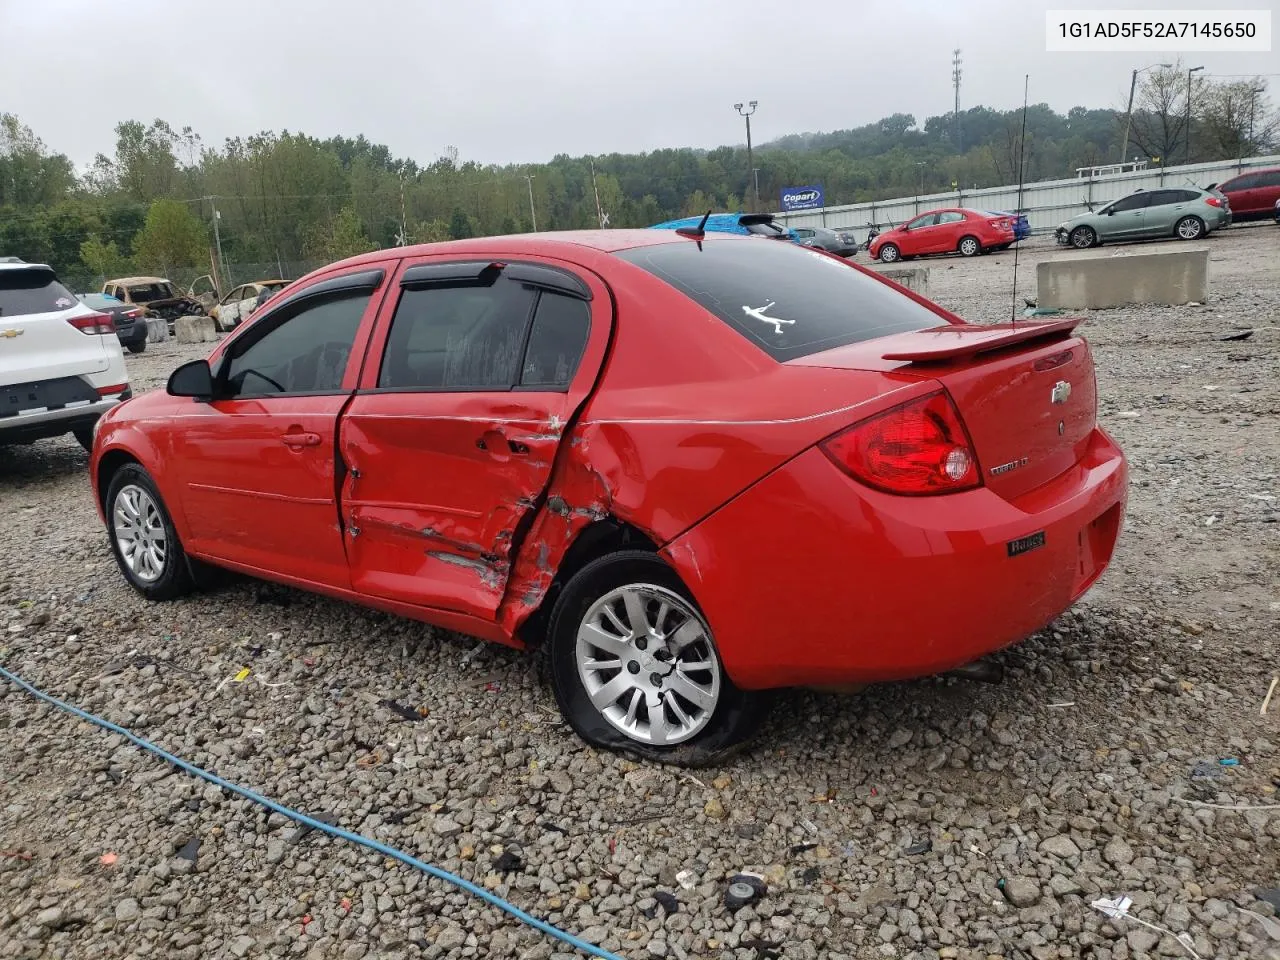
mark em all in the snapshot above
pixel 299 440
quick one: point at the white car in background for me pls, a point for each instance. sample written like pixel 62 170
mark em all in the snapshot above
pixel 242 301
pixel 60 362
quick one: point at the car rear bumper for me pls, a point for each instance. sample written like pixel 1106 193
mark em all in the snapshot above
pixel 42 423
pixel 808 578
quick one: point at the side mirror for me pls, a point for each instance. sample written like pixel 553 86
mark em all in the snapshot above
pixel 1111 211
pixel 1210 187
pixel 193 379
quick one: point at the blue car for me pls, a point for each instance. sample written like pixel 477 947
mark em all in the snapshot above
pixel 1021 226
pixel 745 224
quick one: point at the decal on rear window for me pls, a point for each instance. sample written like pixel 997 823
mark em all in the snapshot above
pixel 758 313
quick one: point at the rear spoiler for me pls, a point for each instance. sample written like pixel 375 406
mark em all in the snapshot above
pixel 955 341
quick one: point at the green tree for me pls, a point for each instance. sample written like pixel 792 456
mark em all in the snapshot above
pixel 460 225
pixel 104 260
pixel 171 237
pixel 343 237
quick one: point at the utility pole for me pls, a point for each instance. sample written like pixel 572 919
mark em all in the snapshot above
pixel 755 177
pixel 955 79
pixel 1128 114
pixel 533 214
pixel 217 242
pixel 1187 158
pixel 751 108
pixel 921 164
pixel 1253 103
pixel 596 191
pixel 403 239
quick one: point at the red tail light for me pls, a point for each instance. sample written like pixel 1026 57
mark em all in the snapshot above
pixel 1213 201
pixel 133 314
pixel 916 449
pixel 112 390
pixel 93 324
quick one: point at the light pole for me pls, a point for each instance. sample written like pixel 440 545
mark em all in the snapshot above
pixel 1187 158
pixel 533 214
pixel 1128 115
pixel 1253 103
pixel 921 164
pixel 746 114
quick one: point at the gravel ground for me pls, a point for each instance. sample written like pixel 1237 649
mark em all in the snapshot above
pixel 924 820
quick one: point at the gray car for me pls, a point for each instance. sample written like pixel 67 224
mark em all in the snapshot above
pixel 1186 213
pixel 828 240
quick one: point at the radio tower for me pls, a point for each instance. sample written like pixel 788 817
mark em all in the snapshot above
pixel 955 79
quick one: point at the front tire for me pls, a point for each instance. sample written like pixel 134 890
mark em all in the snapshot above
pixel 889 253
pixel 1083 237
pixel 143 538
pixel 1189 228
pixel 969 246
pixel 634 666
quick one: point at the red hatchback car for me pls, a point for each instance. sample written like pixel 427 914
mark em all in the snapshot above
pixel 698 468
pixel 1252 195
pixel 967 232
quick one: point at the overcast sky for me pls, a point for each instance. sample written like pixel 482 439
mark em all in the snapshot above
pixel 523 80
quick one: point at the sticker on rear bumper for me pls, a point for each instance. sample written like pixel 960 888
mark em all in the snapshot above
pixel 1025 544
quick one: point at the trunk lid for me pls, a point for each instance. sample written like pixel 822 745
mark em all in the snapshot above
pixel 1025 391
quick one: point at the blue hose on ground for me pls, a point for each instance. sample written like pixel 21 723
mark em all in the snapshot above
pixel 302 818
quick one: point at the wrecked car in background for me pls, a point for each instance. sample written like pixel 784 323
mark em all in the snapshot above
pixel 156 296
pixel 694 466
pixel 237 305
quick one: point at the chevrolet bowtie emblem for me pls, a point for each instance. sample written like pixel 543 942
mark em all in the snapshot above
pixel 11 333
pixel 1061 391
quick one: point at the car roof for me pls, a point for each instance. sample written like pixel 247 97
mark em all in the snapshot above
pixel 131 280
pixel 16 264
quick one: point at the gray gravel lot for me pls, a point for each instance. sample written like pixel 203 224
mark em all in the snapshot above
pixel 924 820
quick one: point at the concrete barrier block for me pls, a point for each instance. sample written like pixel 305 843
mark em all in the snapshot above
pixel 195 330
pixel 157 330
pixel 915 279
pixel 1095 282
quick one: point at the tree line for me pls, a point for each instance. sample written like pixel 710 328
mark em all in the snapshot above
pixel 286 201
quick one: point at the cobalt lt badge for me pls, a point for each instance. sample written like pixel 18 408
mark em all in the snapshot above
pixel 1061 392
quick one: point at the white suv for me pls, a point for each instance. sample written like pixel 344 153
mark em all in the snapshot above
pixel 60 362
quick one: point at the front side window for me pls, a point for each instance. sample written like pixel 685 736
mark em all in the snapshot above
pixel 786 299
pixel 303 349
pixel 463 336
pixel 1134 202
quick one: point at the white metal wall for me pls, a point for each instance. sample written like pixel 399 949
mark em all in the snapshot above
pixel 1046 204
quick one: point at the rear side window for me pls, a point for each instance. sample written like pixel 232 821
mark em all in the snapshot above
pixel 1160 198
pixel 951 216
pixel 786 299
pixel 1270 178
pixel 556 341
pixel 32 291
pixel 457 337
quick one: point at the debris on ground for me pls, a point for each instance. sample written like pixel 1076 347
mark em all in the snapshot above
pixel 508 862
pixel 404 713
pixel 743 889
pixel 1235 337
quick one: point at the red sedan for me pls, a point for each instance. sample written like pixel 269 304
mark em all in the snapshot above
pixel 696 467
pixel 967 232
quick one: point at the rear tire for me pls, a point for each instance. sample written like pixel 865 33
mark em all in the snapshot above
pixel 138 347
pixel 969 246
pixel 84 436
pixel 1189 228
pixel 889 254
pixel 143 538
pixel 666 702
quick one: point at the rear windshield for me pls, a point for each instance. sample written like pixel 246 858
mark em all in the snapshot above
pixel 32 291
pixel 145 293
pixel 786 299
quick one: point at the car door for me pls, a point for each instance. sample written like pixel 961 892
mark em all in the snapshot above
pixel 1164 209
pixel 257 464
pixel 951 227
pixel 1126 218
pixel 229 308
pixel 916 237
pixel 474 373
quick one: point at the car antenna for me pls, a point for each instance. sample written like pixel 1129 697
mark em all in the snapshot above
pixel 1022 159
pixel 699 231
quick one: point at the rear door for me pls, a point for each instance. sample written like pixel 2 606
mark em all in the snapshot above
pixel 951 227
pixel 36 340
pixel 451 439
pixel 1165 208
pixel 257 466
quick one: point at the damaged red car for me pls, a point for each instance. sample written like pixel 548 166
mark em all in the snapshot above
pixel 696 468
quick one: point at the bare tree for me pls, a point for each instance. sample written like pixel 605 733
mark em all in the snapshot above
pixel 1160 110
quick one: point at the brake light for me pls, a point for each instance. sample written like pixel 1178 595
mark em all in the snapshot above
pixel 133 314
pixel 93 324
pixel 112 390
pixel 1213 201
pixel 916 449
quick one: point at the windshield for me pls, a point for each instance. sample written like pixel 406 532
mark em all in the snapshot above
pixel 788 300
pixel 32 291
pixel 145 293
